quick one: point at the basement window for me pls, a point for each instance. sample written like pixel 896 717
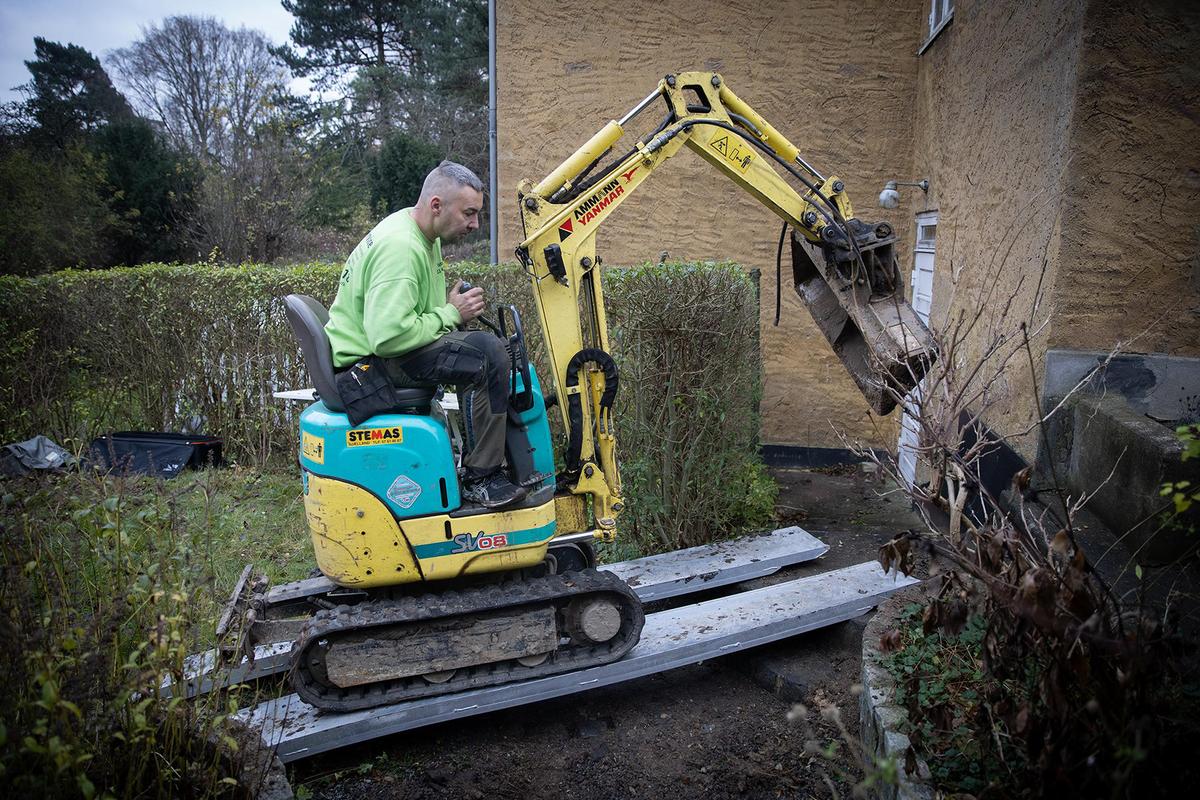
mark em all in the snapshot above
pixel 940 14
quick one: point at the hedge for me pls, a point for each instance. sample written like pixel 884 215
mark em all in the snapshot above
pixel 201 347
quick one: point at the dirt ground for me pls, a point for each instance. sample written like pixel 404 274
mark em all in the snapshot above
pixel 715 730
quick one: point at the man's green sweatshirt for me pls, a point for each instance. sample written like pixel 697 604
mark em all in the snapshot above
pixel 391 298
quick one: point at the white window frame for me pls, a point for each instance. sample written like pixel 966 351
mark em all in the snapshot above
pixel 909 440
pixel 940 14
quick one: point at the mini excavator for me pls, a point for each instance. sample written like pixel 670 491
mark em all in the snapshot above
pixel 431 595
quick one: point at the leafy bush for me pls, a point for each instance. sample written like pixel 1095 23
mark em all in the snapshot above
pixel 159 348
pixel 53 211
pixel 685 337
pixel 942 673
pixel 108 585
pixel 203 346
pixel 1035 671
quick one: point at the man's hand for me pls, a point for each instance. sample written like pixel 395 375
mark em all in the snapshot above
pixel 469 304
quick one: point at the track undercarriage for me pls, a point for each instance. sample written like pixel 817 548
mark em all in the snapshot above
pixel 355 649
pixel 385 651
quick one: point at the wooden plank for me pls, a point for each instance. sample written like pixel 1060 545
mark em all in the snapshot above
pixel 710 566
pixel 231 606
pixel 437 646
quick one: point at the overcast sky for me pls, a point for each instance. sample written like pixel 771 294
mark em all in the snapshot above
pixel 104 25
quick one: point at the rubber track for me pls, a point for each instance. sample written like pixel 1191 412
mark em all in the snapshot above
pixel 555 589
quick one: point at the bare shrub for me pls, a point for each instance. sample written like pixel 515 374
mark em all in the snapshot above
pixel 1079 690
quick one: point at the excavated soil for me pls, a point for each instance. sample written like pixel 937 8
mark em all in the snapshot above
pixel 714 730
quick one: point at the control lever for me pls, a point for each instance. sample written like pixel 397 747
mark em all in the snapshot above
pixel 463 289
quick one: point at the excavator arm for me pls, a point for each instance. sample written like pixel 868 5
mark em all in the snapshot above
pixel 844 270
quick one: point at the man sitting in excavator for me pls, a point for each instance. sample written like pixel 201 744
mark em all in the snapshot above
pixel 392 305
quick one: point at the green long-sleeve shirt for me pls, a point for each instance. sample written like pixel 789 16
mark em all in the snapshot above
pixel 391 298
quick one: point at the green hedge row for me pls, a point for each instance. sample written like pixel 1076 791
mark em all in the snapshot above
pixel 202 347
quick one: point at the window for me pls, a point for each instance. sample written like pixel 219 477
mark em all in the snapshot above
pixel 927 233
pixel 940 14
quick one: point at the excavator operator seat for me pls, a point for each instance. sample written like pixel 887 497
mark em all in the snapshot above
pixel 308 318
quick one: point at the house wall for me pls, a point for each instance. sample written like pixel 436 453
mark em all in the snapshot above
pixel 994 102
pixel 839 81
pixel 1062 145
pixel 1130 259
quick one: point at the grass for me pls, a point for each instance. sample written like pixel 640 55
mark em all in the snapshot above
pixel 107 584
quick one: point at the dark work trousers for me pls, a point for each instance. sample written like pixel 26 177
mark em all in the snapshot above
pixel 477 364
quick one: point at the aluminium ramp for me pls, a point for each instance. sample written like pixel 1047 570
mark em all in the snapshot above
pixel 652 578
pixel 671 639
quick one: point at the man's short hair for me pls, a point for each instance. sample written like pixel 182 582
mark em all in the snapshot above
pixel 448 175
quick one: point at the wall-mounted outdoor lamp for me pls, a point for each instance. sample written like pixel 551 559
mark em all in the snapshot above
pixel 890 198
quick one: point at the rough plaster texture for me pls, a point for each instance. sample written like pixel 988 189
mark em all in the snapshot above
pixel 992 134
pixel 1064 133
pixel 1060 139
pixel 1130 258
pixel 838 79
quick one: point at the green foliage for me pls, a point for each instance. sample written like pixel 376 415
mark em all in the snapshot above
pixel 1190 436
pixel 1183 493
pixel 685 337
pixel 397 172
pixel 69 94
pixel 53 212
pixel 167 347
pixel 91 184
pixel 339 192
pixel 334 37
pixel 109 585
pixel 151 186
pixel 1023 676
pixel 156 348
pixel 441 42
pixel 943 675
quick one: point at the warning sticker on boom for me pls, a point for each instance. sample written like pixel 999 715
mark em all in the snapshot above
pixel 735 151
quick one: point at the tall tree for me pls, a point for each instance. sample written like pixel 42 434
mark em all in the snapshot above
pixel 220 94
pixel 404 64
pixel 151 187
pixel 69 94
pixel 208 85
pixel 341 35
pixel 367 40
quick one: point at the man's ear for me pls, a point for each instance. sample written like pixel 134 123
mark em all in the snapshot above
pixel 435 204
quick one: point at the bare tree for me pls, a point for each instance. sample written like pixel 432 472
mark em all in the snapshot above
pixel 217 92
pixel 208 86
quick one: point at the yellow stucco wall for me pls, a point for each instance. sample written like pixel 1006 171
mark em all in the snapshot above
pixel 992 134
pixel 1062 144
pixel 1130 260
pixel 838 80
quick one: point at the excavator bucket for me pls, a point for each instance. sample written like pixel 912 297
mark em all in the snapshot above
pixel 854 293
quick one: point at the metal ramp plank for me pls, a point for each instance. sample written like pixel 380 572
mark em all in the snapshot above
pixel 671 639
pixel 709 566
pixel 653 578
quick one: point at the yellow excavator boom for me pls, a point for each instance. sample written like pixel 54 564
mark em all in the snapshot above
pixel 844 270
